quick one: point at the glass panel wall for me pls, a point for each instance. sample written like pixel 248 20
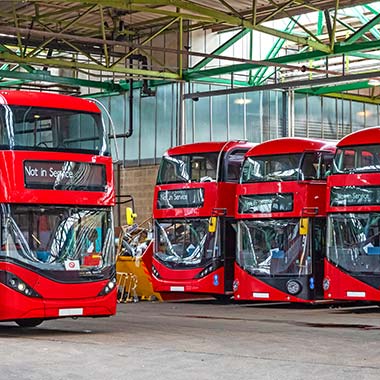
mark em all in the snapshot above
pixel 256 116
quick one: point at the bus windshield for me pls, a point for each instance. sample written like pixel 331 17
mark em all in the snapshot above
pixel 35 128
pixel 273 247
pixel 185 243
pixel 284 167
pixel 57 238
pixel 196 167
pixel 354 242
pixel 357 159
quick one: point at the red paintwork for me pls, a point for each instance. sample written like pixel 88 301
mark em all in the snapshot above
pixel 308 196
pixel 362 179
pixel 206 147
pixel 367 136
pixel 248 284
pixel 341 283
pixel 55 295
pixel 216 195
pixel 40 99
pixel 289 145
pixel 12 189
pixel 189 284
pixel 148 255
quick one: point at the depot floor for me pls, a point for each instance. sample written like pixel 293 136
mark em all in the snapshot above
pixel 199 340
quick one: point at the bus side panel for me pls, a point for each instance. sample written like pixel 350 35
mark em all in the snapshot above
pixel 344 287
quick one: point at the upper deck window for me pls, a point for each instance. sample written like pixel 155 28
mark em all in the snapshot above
pixel 35 128
pixel 284 167
pixel 312 165
pixel 196 167
pixel 357 159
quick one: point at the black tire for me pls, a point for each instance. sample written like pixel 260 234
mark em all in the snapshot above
pixel 33 322
pixel 223 299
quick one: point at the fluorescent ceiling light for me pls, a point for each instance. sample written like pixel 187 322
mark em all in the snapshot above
pixel 242 101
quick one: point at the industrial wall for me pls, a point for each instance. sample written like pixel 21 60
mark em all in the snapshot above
pixel 138 182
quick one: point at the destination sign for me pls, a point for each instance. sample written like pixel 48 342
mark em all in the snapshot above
pixel 180 198
pixel 355 195
pixel 65 175
pixel 264 203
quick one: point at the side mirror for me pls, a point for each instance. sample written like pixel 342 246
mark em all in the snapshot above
pixel 130 216
pixel 212 224
pixel 304 226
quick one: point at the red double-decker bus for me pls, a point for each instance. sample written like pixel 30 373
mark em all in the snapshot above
pixel 353 240
pixel 281 221
pixel 56 195
pixel 193 209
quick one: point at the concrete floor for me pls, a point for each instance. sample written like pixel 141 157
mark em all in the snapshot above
pixel 199 340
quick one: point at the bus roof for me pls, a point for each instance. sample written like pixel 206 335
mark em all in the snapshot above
pixel 366 136
pixel 287 145
pixel 48 100
pixel 208 147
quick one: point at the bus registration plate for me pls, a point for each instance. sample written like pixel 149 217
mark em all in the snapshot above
pixel 68 312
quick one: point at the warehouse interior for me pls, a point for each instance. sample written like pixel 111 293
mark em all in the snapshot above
pixel 171 72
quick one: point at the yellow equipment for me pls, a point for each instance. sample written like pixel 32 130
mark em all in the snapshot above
pixel 134 280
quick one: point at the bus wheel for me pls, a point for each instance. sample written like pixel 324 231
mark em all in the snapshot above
pixel 33 322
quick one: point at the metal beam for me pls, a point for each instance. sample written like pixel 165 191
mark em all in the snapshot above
pixel 60 63
pixel 340 88
pixel 147 40
pixel 364 29
pixel 273 53
pixel 100 42
pixel 220 50
pixel 45 76
pixel 356 98
pixel 213 14
pixel 300 57
pixel 278 10
pixel 296 84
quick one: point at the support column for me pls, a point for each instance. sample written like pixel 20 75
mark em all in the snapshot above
pixel 181 137
pixel 290 119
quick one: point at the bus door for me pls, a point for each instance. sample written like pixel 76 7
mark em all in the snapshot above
pixel 228 246
pixel 318 229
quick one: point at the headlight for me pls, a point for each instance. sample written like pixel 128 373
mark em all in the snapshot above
pixel 235 285
pixel 15 283
pixel 107 289
pixel 155 272
pixel 210 268
pixel 326 284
